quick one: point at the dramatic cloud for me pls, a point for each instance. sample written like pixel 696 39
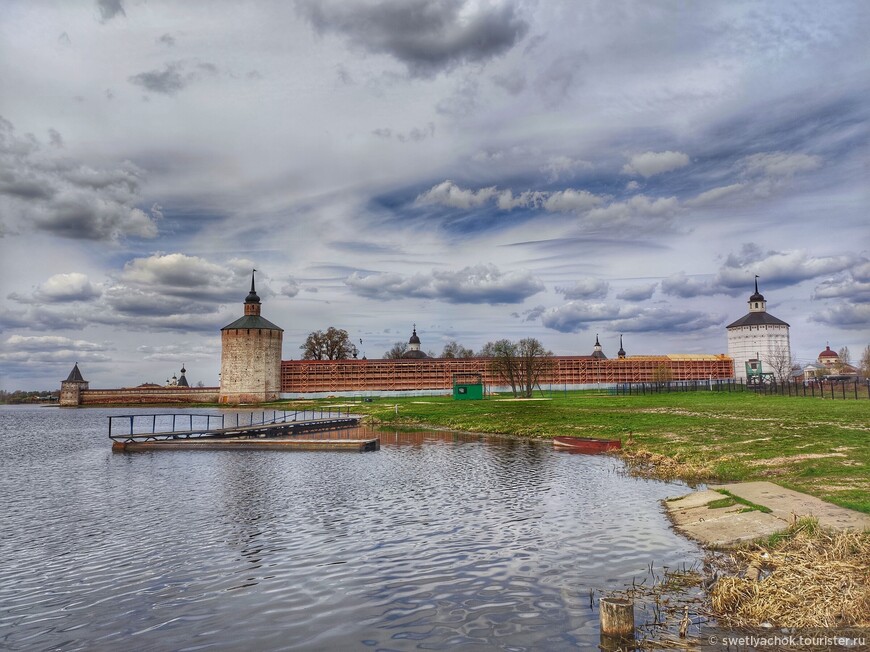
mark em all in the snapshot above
pixel 638 293
pixel 641 213
pixel 779 164
pixel 360 151
pixel 449 194
pixel 190 277
pixel 51 342
pixel 777 268
pixel 60 288
pixel 570 201
pixel 577 316
pixel 714 196
pixel 558 167
pixel 291 287
pixel 65 197
pixel 680 285
pixel 110 8
pixel 666 320
pixel 66 287
pixel 853 286
pixel 477 284
pixel 183 350
pixel 174 77
pixel 19 349
pixel 845 315
pixel 585 288
pixel 651 163
pixel 427 37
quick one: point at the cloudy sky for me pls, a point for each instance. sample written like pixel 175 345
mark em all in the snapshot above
pixel 482 168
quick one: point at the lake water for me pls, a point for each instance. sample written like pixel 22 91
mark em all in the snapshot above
pixel 437 541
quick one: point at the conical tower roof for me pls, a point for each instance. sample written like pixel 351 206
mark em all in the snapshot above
pixel 75 376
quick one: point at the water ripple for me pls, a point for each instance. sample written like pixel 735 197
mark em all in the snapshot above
pixel 437 541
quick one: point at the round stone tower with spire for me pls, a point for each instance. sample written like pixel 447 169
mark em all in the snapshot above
pixel 758 334
pixel 251 350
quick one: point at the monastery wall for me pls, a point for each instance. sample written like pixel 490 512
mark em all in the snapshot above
pixel 305 376
pixel 149 395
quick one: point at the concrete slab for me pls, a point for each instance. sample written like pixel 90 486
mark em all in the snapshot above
pixel 736 528
pixel 784 503
pixel 696 499
pixel 727 526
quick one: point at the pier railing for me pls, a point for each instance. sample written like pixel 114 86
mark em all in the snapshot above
pixel 167 425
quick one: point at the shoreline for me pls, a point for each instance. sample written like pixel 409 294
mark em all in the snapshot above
pixel 637 423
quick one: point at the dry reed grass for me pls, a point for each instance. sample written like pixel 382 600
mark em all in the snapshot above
pixel 646 464
pixel 811 578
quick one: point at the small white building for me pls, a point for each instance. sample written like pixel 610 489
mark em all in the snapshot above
pixel 758 334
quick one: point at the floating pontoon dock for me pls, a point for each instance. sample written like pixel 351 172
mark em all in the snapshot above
pixel 282 430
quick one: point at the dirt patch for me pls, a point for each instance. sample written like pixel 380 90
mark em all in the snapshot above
pixel 779 461
pixel 752 441
pixel 523 399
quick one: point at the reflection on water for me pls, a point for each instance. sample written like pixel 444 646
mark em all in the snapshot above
pixel 439 540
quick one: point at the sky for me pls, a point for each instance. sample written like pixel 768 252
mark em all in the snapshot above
pixel 482 169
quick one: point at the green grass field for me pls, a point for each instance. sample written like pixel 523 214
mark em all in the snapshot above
pixel 821 447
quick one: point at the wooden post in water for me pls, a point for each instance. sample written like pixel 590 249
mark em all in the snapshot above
pixel 617 622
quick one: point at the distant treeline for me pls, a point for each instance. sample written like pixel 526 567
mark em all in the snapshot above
pixel 20 396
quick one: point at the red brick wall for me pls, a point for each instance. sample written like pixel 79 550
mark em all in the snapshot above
pixel 302 376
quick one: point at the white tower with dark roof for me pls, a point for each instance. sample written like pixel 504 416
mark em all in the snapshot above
pixel 758 334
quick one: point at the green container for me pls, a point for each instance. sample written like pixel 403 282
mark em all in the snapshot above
pixel 468 391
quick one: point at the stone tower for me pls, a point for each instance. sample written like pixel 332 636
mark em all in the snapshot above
pixel 71 388
pixel 251 350
pixel 759 334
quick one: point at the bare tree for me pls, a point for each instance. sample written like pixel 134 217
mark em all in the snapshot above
pixel 781 362
pixel 845 359
pixel 334 344
pixel 535 361
pixel 519 364
pixel 864 364
pixel 503 354
pixel 397 351
pixel 454 349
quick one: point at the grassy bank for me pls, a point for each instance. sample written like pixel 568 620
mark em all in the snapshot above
pixel 821 447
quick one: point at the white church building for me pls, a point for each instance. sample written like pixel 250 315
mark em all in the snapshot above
pixel 758 335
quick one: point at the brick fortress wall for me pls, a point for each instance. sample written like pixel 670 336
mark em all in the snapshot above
pixel 304 376
pixel 149 395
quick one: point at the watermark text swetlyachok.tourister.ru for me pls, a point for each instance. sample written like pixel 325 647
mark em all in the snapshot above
pixel 855 640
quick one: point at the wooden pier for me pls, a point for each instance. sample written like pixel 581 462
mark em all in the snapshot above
pixel 283 431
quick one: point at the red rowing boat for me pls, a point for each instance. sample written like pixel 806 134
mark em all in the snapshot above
pixel 586 444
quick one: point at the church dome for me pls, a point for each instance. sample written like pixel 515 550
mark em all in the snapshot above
pixel 414 339
pixel 827 353
pixel 757 296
